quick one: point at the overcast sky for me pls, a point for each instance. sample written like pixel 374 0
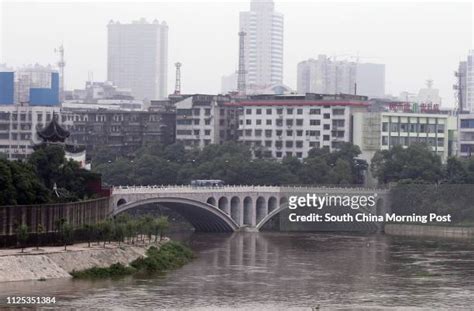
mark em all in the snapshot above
pixel 416 41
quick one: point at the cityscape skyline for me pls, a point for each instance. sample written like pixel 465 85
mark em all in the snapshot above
pixel 453 42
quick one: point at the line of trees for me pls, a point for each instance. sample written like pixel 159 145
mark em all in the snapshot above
pixel 418 164
pixel 46 177
pixel 122 229
pixel 231 162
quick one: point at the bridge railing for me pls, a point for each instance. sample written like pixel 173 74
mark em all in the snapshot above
pixel 237 188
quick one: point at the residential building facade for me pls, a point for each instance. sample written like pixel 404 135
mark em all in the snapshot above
pixel 201 120
pixel 19 126
pixel 328 76
pixel 281 126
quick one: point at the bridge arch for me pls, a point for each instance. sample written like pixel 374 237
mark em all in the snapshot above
pixel 203 216
pixel 261 209
pixel 272 204
pixel 211 201
pixel 235 209
pixel 248 211
pixel 224 205
pixel 122 201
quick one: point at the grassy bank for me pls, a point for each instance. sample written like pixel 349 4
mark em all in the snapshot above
pixel 169 256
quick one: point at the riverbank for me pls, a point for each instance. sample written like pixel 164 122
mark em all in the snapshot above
pixel 430 231
pixel 53 262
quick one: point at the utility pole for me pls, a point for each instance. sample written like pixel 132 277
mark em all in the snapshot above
pixel 177 87
pixel 61 65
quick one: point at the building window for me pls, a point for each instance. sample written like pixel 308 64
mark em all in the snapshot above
pixel 299 133
pixel 289 144
pixel 248 132
pixel 269 122
pixel 280 111
pixel 440 128
pixel 248 122
pixel 315 111
pixel 289 122
pixel 259 111
pixel 259 121
pixel 269 110
pixel 385 140
pixel 299 111
pixel 258 133
pixel 196 111
pixel 299 155
pixel 326 127
pixel 207 111
pixel 299 144
pixel 279 122
pixel 327 116
pixel 278 154
pixel 289 111
pixel 268 143
pixel 268 133
pixel 248 111
pixel 279 132
pixel 289 133
pixel 207 132
pixel 326 137
pixel 299 122
pixel 207 122
pixel 338 111
pixel 314 122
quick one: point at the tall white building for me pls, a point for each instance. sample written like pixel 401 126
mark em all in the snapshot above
pixel 263 44
pixel 328 76
pixel 138 57
pixel 469 103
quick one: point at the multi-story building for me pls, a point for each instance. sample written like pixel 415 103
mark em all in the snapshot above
pixel 326 76
pixel 465 135
pixel 32 85
pixel 138 57
pixel 280 126
pixel 18 128
pixel 202 120
pixel 470 82
pixel 375 131
pixel 123 131
pixel 263 44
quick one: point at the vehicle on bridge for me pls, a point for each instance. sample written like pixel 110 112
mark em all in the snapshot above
pixel 207 183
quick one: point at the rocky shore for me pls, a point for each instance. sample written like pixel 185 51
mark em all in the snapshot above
pixel 53 262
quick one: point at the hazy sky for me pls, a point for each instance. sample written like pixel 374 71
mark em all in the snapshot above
pixel 416 41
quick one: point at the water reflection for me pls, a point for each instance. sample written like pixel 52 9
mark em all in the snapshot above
pixel 271 271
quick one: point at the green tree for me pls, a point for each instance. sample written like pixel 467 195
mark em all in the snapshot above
pixel 161 224
pixel 39 232
pixel 22 235
pixel 67 234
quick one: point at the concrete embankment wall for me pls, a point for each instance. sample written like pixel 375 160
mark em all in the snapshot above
pixel 430 231
pixel 59 264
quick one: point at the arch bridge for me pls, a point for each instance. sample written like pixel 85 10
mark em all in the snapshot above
pixel 229 208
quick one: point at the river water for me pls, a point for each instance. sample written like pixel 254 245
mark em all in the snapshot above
pixel 287 271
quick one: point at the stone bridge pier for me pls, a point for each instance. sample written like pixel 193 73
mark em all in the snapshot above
pixel 228 208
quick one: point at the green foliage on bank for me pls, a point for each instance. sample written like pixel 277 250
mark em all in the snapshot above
pixel 231 162
pixel 171 255
pixel 418 164
pixel 114 271
pixel 32 181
